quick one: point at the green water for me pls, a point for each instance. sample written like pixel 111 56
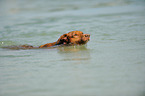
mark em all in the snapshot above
pixel 111 64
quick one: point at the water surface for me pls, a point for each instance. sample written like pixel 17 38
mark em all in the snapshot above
pixel 111 64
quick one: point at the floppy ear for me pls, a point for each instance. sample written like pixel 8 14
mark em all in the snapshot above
pixel 64 39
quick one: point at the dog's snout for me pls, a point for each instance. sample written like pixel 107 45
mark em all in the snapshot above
pixel 87 35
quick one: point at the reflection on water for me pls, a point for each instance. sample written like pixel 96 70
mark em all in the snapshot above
pixel 72 49
pixel 74 53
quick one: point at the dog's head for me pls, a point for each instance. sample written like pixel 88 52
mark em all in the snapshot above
pixel 74 37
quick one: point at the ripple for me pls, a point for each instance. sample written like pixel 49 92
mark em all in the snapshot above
pixel 14 56
pixel 6 43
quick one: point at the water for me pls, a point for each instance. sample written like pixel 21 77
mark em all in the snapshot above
pixel 111 64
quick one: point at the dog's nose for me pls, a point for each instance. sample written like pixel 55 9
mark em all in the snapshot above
pixel 87 35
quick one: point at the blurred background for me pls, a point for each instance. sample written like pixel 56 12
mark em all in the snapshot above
pixel 111 64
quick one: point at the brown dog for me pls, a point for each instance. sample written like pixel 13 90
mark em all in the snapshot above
pixel 71 38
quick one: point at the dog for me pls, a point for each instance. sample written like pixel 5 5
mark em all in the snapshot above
pixel 71 38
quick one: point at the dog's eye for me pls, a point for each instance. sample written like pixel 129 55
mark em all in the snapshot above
pixel 75 35
pixel 65 35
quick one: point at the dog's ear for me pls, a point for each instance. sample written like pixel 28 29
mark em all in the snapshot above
pixel 64 39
